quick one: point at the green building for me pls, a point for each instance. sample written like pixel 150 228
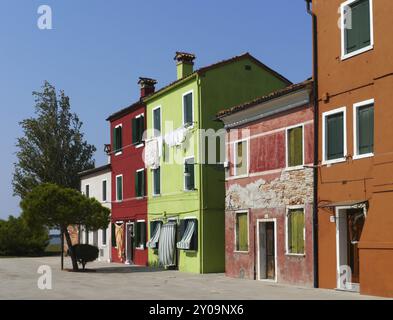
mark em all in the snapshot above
pixel 185 196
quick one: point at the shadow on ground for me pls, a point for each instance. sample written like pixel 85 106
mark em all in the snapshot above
pixel 130 269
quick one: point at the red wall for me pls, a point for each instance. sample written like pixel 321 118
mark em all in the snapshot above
pixel 277 189
pixel 127 163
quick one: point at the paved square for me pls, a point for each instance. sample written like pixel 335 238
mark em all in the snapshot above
pixel 18 280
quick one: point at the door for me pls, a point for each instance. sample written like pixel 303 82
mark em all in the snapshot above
pixel 355 224
pixel 267 250
pixel 129 243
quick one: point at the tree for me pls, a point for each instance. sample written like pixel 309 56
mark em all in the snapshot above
pixel 19 239
pixel 52 149
pixel 53 206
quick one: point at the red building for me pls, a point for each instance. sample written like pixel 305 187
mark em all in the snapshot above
pixel 269 187
pixel 129 202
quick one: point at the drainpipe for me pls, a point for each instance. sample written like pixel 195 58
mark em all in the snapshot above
pixel 200 191
pixel 316 144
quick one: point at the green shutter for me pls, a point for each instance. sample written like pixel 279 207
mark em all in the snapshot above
pixel 141 128
pixel 188 116
pixel 114 144
pixel 295 147
pixel 190 177
pixel 143 234
pixel 134 130
pixel 156 177
pixel 335 136
pixel 142 173
pixel 296 231
pixel 113 235
pixel 136 241
pixel 137 184
pixel 120 138
pixel 365 129
pixel 242 232
pixel 119 181
pixel 360 35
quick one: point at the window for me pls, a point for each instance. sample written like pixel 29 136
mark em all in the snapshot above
pixel 87 191
pixel 241 158
pixel 295 231
pixel 334 136
pixel 86 236
pixel 188 117
pixel 104 236
pixel 295 147
pixel 155 231
pixel 242 231
pixel 157 121
pixel 118 139
pixel 188 231
pixel 157 181
pixel 104 191
pixel 364 129
pixel 140 235
pixel 356 27
pixel 189 174
pixel 138 128
pixel 113 235
pixel 119 188
pixel 140 183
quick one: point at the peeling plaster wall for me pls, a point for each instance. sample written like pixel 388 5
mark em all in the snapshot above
pixel 266 192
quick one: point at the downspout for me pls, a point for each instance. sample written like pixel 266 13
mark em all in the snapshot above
pixel 316 142
pixel 200 191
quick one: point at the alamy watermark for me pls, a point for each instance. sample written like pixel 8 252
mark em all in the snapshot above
pixel 44 21
pixel 45 280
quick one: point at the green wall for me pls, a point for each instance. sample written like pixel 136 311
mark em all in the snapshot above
pixel 219 88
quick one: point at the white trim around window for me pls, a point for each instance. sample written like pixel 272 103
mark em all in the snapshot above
pixel 153 124
pixel 345 55
pixel 102 190
pixel 235 143
pixel 184 178
pixel 287 231
pixel 248 231
pixel 324 116
pixel 122 188
pixel 141 144
pixel 286 148
pixel 193 116
pixel 153 183
pixel 356 106
pixel 119 126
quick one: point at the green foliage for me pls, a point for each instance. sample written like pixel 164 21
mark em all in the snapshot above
pixel 85 253
pixel 57 208
pixel 17 238
pixel 53 149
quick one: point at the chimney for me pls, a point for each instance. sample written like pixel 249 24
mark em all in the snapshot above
pixel 147 86
pixel 185 64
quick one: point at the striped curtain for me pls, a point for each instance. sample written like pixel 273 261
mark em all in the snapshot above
pixel 166 245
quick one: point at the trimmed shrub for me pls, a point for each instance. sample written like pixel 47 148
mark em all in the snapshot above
pixel 85 253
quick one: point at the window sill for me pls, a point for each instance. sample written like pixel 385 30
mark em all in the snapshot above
pixel 118 153
pixel 240 176
pixel 363 156
pixel 156 195
pixel 139 145
pixel 301 167
pixel 357 52
pixel 139 248
pixel 242 252
pixel 299 255
pixel 189 191
pixel 330 162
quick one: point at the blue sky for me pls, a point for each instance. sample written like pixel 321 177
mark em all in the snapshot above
pixel 98 49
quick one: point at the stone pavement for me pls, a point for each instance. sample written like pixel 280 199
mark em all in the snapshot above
pixel 18 280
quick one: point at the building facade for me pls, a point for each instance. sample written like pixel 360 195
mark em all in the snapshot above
pixel 185 193
pixel 269 187
pixel 355 184
pixel 96 183
pixel 129 201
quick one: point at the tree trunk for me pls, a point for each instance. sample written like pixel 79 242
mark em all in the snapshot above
pixel 71 249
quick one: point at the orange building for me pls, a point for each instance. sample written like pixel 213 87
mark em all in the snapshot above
pixel 353 65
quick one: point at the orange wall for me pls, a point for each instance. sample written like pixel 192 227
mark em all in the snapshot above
pixel 345 82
